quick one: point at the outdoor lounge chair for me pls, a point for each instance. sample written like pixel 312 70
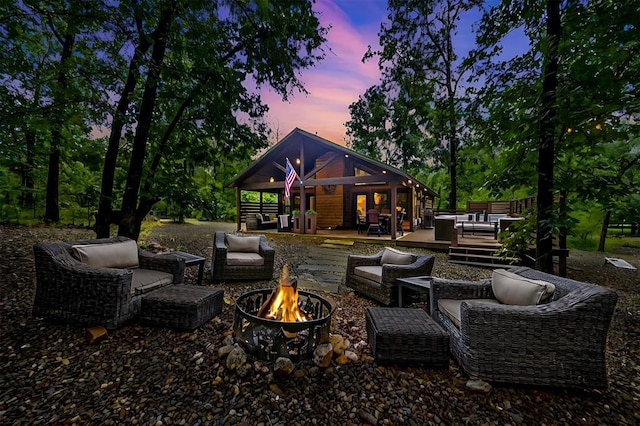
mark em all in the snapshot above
pixel 504 330
pixel 375 276
pixel 241 257
pixel 98 282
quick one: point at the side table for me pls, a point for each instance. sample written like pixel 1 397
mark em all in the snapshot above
pixel 192 260
pixel 420 284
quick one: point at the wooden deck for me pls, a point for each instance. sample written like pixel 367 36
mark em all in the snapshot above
pixel 420 238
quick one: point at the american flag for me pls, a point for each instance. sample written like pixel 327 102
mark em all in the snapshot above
pixel 289 178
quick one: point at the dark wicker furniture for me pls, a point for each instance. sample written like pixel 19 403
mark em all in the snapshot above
pixel 221 271
pixel 406 336
pixel 560 343
pixel 181 306
pixel 387 291
pixel 72 292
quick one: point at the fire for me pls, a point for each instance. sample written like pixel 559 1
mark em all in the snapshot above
pixel 282 304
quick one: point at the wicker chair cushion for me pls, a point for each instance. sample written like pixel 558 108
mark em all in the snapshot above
pixel 110 255
pixel 244 259
pixel 451 307
pixel 396 257
pixel 513 289
pixel 145 280
pixel 374 273
pixel 243 244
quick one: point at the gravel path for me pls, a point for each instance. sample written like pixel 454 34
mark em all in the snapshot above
pixel 154 376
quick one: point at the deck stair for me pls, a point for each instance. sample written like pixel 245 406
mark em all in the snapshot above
pixel 479 256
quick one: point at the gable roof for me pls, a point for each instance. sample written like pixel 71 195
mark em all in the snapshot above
pixel 272 164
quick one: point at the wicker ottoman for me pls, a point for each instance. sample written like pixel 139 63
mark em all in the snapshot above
pixel 406 335
pixel 181 306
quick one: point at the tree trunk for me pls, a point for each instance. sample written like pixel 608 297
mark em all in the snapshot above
pixel 52 209
pixel 28 184
pixel 544 233
pixel 103 221
pixel 131 221
pixel 604 230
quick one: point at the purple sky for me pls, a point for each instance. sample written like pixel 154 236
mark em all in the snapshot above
pixel 337 81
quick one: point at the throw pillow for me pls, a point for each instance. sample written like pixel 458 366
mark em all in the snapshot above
pixel 108 255
pixel 513 289
pixel 395 257
pixel 240 244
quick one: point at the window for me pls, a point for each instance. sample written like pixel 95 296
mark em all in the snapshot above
pixel 381 202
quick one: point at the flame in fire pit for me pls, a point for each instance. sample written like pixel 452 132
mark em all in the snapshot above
pixel 282 304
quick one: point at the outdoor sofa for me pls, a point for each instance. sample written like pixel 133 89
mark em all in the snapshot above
pixel 100 281
pixel 504 330
pixel 267 221
pixel 376 276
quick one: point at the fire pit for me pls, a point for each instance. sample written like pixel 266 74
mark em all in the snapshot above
pixel 281 322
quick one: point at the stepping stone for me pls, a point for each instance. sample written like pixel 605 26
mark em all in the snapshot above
pixel 321 268
pixel 340 242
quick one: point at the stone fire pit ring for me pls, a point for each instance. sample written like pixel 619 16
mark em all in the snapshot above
pixel 268 339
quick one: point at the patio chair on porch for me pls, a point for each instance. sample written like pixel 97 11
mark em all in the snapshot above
pixel 373 221
pixel 400 221
pixel 361 222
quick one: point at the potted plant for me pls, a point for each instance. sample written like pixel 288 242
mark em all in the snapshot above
pixel 297 221
pixel 311 217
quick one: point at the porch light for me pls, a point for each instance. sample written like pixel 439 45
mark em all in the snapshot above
pixel 384 172
pixel 297 161
pixel 346 156
pixel 409 182
pixel 271 179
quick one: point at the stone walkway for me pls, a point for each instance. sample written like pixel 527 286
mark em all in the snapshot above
pixel 325 268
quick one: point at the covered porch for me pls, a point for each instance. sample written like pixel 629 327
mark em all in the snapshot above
pixel 339 185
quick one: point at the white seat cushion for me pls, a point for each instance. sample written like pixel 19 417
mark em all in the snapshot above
pixel 374 273
pixel 451 307
pixel 145 280
pixel 244 259
pixel 109 255
pixel 513 289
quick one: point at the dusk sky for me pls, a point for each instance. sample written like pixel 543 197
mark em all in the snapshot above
pixel 341 77
pixel 337 81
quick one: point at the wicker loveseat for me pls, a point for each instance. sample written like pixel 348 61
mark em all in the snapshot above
pixel 74 286
pixel 560 342
pixel 241 257
pixel 375 276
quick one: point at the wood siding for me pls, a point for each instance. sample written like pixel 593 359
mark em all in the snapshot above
pixel 329 200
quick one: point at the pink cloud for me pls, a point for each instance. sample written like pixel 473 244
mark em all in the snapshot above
pixel 337 81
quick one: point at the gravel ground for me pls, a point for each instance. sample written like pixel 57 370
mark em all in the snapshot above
pixel 155 376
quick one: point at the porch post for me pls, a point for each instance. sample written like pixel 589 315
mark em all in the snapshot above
pixel 303 196
pixel 394 212
pixel 238 209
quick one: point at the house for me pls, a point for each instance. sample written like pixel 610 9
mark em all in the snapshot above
pixel 334 181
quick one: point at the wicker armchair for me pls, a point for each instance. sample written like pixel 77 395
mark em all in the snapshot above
pixel 73 292
pixel 384 288
pixel 242 267
pixel 559 343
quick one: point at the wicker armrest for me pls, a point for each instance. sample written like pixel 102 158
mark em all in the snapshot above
pixel 353 261
pixel 421 266
pixel 169 263
pixel 266 251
